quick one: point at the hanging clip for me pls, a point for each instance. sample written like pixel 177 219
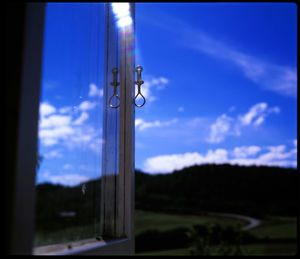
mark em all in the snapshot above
pixel 114 84
pixel 139 82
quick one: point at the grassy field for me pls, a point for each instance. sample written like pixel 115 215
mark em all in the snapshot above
pixel 145 220
pixel 271 227
pixel 247 250
pixel 287 249
pixel 65 235
pixel 276 227
pixel 178 252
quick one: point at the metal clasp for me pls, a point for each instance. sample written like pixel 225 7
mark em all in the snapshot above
pixel 114 84
pixel 139 82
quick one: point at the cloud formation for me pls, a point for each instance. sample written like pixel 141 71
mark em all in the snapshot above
pixel 225 125
pixel 65 127
pixel 87 105
pixel 69 179
pixel 257 114
pixel 245 151
pixel 95 91
pixel 141 124
pixel 244 155
pixel 46 109
pixel 157 83
pixel 220 129
pixel 268 76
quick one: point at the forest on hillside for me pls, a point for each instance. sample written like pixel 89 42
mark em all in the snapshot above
pixel 253 191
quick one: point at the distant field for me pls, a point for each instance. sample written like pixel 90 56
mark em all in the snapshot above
pixel 247 250
pixel 272 227
pixel 277 227
pixel 145 220
pixel 65 235
pixel 288 249
pixel 174 252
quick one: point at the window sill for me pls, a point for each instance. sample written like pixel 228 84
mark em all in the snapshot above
pixel 87 247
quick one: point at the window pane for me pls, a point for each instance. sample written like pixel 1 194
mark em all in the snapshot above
pixel 70 124
pixel 110 167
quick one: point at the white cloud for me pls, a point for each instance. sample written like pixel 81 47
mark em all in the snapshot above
pixel 275 156
pixel 141 125
pixel 83 117
pixel 71 132
pixel 245 155
pixel 67 179
pixel 95 91
pixel 266 75
pixel 55 121
pixel 163 80
pixel 158 83
pixel 87 105
pixel 273 77
pixel 225 125
pixel 254 112
pixel 220 129
pixel 46 141
pixel 51 136
pixel 295 142
pixel 53 154
pixel 65 109
pixel 245 151
pixel 169 163
pixel 96 145
pixel 257 114
pixel 275 152
pixel 46 109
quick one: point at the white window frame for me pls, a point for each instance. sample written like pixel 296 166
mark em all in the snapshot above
pixel 24 199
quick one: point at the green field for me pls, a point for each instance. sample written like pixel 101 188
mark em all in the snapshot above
pixel 247 250
pixel 271 227
pixel 179 252
pixel 65 235
pixel 277 227
pixel 145 220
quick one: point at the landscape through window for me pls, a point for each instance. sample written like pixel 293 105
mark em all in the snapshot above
pixel 68 185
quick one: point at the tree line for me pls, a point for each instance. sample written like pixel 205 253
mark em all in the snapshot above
pixel 250 190
pixel 254 191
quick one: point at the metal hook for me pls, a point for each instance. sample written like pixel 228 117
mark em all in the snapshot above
pixel 139 82
pixel 114 84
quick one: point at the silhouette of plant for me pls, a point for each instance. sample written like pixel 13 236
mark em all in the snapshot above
pixel 215 240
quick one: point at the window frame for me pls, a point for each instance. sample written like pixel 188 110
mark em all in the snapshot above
pixel 22 225
pixel 22 231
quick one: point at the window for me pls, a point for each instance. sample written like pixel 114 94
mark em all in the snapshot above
pixel 86 131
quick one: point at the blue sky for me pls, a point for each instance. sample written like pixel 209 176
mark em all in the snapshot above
pixel 220 83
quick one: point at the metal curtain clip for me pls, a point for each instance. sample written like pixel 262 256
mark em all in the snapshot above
pixel 139 82
pixel 114 84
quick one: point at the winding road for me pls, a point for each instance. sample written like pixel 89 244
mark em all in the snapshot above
pixel 252 221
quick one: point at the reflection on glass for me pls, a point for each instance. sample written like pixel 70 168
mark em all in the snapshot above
pixel 110 160
pixel 70 125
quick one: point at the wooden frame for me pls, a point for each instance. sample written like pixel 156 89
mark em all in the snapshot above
pixel 127 128
pixel 24 191
pixel 124 227
pixel 24 199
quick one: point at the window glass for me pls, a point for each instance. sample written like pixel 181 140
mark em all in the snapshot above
pixel 68 185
